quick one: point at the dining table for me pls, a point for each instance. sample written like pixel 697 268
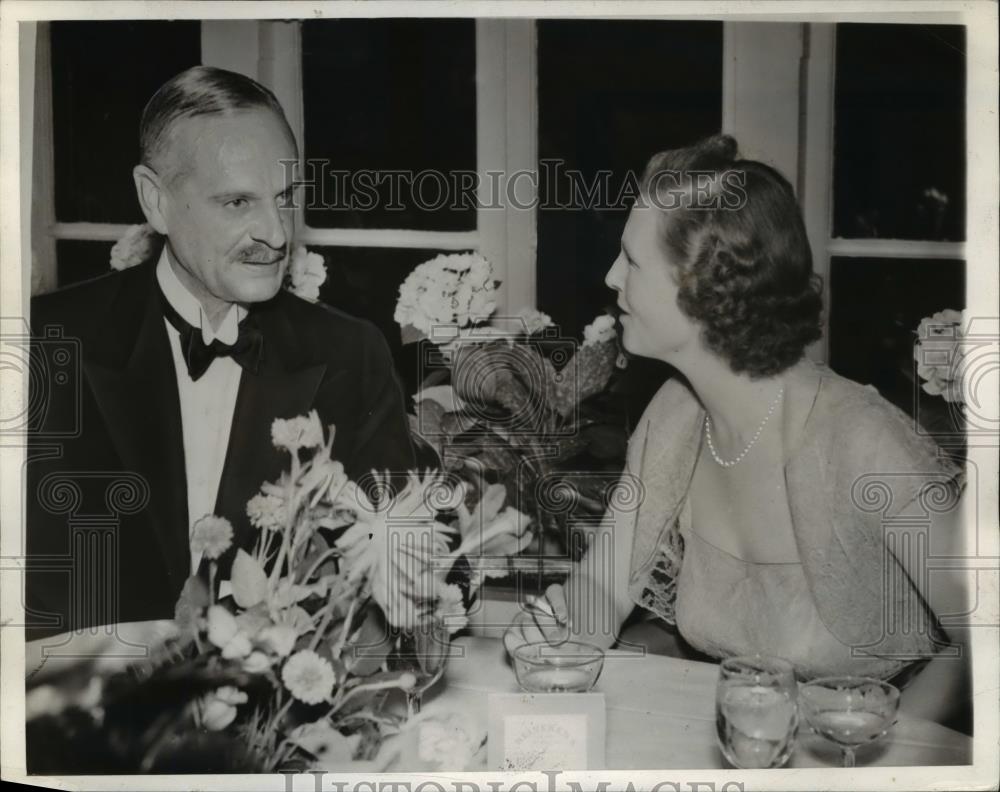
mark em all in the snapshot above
pixel 659 710
pixel 660 713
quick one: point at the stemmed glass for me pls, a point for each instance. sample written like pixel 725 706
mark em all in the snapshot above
pixel 755 712
pixel 423 652
pixel 850 711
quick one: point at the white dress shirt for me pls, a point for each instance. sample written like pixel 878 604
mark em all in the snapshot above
pixel 206 404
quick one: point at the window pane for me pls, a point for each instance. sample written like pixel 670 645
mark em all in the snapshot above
pixel 365 282
pixel 899 153
pixel 610 95
pixel 875 308
pixel 391 95
pixel 80 260
pixel 103 73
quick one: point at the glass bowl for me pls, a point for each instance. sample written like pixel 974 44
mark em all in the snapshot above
pixel 570 667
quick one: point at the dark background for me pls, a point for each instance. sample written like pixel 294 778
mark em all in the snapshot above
pixel 389 93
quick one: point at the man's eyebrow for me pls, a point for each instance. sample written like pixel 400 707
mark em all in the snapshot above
pixel 231 194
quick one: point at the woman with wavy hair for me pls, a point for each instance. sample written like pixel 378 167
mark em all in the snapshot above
pixel 770 486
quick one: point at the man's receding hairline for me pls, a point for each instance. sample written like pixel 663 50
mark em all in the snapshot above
pixel 167 140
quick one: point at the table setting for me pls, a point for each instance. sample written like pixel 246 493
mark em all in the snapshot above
pixel 661 712
pixel 654 712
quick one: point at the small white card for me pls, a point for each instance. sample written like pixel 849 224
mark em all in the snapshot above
pixel 546 731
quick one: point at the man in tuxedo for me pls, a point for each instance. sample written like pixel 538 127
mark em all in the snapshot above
pixel 184 363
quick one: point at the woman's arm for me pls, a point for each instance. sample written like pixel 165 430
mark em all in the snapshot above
pixel 593 602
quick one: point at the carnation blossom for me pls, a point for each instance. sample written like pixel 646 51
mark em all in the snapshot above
pixel 533 320
pixel 600 330
pixel 295 433
pixel 450 607
pixel 279 638
pixel 256 663
pixel 217 710
pixel 306 272
pixel 225 633
pixel 266 512
pixel 136 246
pixel 308 677
pixel 211 536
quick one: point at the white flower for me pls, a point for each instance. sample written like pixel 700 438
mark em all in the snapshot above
pixel 217 710
pixel 391 547
pixel 600 330
pixel 295 433
pixel 450 608
pixel 266 512
pixel 307 273
pixel 279 638
pixel 256 663
pixel 308 677
pixel 450 740
pixel 449 289
pixel 940 355
pixel 211 536
pixel 325 743
pixel 44 700
pixel 225 633
pixel 137 245
pixel 534 321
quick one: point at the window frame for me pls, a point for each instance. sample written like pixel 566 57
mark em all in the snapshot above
pixel 271 52
pixel 790 66
pixel 816 178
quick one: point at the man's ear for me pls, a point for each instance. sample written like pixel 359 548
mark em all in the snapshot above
pixel 152 199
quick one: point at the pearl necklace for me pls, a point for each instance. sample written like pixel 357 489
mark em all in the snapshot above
pixel 756 435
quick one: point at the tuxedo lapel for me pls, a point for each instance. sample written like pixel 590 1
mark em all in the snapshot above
pixel 134 384
pixel 284 386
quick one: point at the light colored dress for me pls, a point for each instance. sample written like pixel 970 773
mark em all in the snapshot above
pixel 726 606
pixel 856 472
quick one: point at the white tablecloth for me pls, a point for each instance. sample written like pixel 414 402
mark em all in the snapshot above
pixel 660 710
pixel 661 714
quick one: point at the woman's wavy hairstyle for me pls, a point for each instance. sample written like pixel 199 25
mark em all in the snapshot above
pixel 734 232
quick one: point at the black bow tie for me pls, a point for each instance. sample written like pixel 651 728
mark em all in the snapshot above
pixel 198 355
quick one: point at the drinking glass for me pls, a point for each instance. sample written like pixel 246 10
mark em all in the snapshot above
pixel 423 652
pixel 570 667
pixel 850 711
pixel 756 716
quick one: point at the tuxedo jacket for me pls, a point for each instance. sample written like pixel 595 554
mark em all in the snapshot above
pixel 107 517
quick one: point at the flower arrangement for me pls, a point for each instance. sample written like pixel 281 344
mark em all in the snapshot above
pixel 451 291
pixel 140 243
pixel 289 665
pixel 940 354
pixel 517 407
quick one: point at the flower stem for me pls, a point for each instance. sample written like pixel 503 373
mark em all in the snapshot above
pixel 212 566
pixel 345 630
pixel 291 506
pixel 327 616
pixel 316 564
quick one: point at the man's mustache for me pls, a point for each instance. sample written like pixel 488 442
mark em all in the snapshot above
pixel 262 254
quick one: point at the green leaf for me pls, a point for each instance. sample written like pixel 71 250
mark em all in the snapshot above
pixel 410 335
pixel 369 645
pixel 253 620
pixel 192 601
pixel 248 580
